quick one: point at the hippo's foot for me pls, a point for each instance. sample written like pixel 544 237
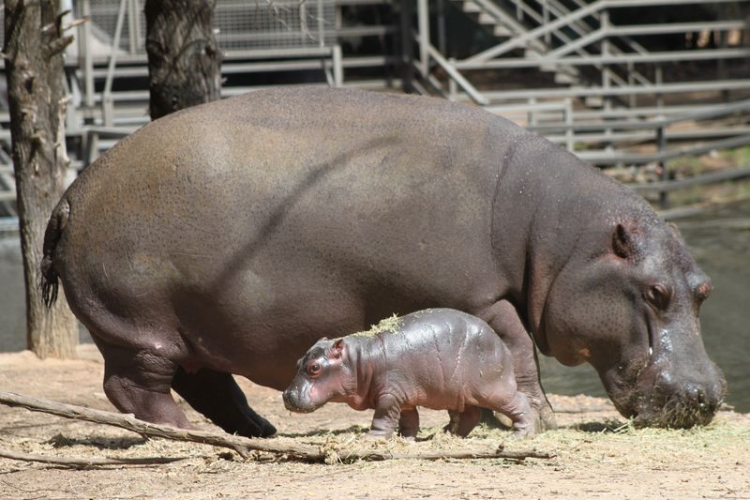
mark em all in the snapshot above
pixel 408 424
pixel 378 435
pixel 461 424
pixel 547 418
pixel 217 396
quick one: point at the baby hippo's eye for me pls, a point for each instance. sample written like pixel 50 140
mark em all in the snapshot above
pixel 314 369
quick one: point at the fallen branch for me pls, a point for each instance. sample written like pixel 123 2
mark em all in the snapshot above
pixel 375 456
pixel 87 462
pixel 242 445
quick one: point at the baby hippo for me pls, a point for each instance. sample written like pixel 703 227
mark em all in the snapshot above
pixel 438 358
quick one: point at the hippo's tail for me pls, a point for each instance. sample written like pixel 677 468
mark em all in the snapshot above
pixel 52 236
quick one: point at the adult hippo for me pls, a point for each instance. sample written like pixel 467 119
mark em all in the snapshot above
pixel 229 237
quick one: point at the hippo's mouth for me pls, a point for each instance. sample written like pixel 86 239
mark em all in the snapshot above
pixel 292 403
pixel 297 409
pixel 679 407
pixel 677 414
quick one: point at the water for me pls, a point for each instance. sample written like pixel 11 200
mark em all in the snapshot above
pixel 720 241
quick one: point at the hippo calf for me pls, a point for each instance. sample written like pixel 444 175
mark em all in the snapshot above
pixel 437 358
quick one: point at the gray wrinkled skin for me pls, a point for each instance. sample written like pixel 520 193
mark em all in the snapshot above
pixel 438 358
pixel 229 237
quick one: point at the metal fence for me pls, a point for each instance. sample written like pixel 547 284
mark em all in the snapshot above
pixel 240 25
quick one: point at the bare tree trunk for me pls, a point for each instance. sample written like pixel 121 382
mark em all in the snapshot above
pixel 34 68
pixel 184 61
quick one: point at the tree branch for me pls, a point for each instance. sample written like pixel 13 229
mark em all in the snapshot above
pixel 87 462
pixel 242 445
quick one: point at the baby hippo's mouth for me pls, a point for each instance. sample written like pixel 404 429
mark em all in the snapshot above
pixel 292 403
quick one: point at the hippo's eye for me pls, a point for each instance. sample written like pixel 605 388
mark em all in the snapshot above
pixel 314 368
pixel 658 296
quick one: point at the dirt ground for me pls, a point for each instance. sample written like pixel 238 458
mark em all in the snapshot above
pixel 598 455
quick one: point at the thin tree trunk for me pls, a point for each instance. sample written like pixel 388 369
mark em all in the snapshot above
pixel 184 60
pixel 34 67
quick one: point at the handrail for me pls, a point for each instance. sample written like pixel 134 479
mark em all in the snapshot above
pixel 456 76
pixel 536 33
pixel 623 58
pixel 665 155
pixel 711 177
pixel 573 16
pixel 614 49
pixel 651 124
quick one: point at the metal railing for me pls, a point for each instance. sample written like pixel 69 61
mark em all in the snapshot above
pixel 567 39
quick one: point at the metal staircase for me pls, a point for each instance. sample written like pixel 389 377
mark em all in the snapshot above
pixel 497 18
pixel 617 94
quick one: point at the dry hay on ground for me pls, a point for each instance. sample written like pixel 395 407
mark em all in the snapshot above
pixel 598 454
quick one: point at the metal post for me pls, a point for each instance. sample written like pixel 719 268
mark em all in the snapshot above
pixel 338 69
pixel 568 112
pixel 606 76
pixel 107 93
pixel 452 87
pixel 545 19
pixel 322 28
pixel 658 76
pixel 85 59
pixel 423 24
pixel 136 34
pixel 632 99
pixel 132 15
pixel 661 140
pixel 303 29
pixel 442 35
pixel 407 47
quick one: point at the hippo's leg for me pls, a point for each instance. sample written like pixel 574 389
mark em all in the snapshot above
pixel 516 407
pixel 461 424
pixel 504 319
pixel 139 382
pixel 408 424
pixel 386 418
pixel 217 396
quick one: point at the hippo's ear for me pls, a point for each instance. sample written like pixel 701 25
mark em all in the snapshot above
pixel 336 349
pixel 622 242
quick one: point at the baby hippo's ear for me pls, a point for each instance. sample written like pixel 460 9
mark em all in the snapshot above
pixel 336 349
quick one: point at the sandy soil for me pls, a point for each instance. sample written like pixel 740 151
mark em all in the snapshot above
pixel 598 454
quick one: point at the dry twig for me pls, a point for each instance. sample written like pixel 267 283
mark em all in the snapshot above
pixel 87 462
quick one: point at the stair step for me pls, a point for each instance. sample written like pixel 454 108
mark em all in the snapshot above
pixel 593 102
pixel 563 79
pixel 485 18
pixel 471 7
pixel 501 30
pixel 532 53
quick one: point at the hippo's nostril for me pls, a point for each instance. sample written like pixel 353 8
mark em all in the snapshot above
pixel 696 394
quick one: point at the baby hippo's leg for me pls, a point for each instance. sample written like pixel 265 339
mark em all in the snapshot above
pixel 408 425
pixel 385 421
pixel 461 424
pixel 517 408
